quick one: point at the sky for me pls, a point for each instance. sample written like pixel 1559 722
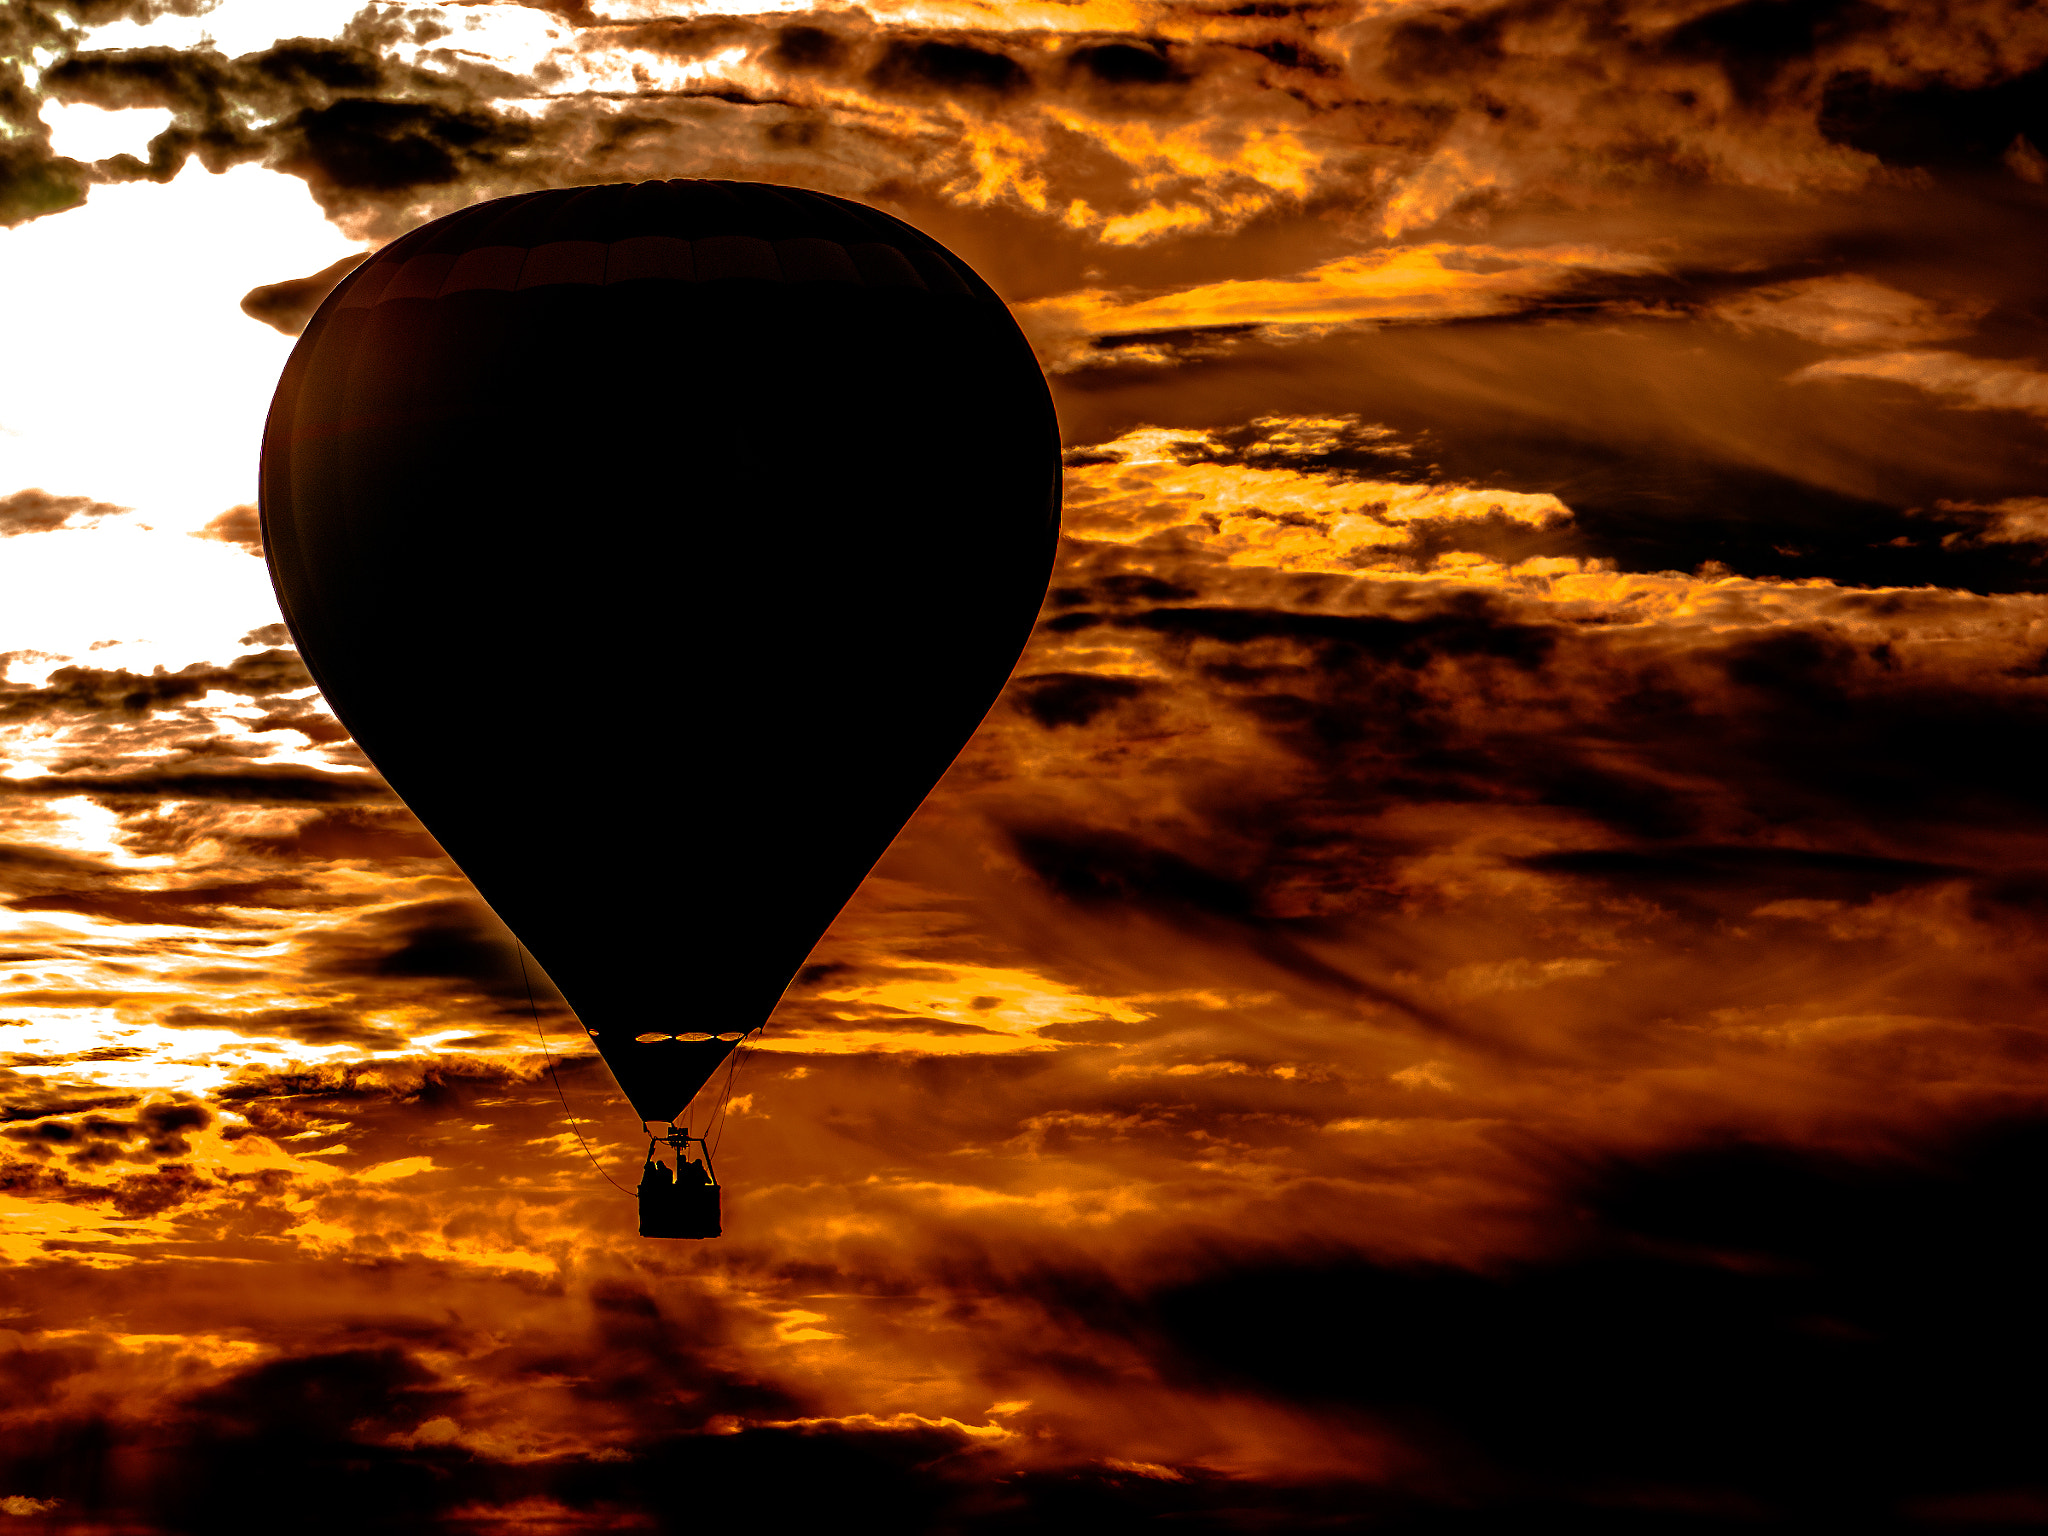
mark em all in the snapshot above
pixel 1488 968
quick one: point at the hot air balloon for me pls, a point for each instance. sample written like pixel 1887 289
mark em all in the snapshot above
pixel 662 544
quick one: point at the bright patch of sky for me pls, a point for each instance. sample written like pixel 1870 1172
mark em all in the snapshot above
pixel 88 133
pixel 993 15
pixel 628 71
pixel 652 10
pixel 139 382
pixel 514 37
pixel 235 27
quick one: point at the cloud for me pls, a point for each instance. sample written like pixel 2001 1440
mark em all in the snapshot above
pixel 205 905
pixel 1518 816
pixel 1071 698
pixel 240 526
pixel 384 836
pixel 1847 311
pixel 159 1129
pixel 1739 93
pixel 1973 383
pixel 37 511
pixel 308 718
pixel 1672 438
pixel 2020 520
pixel 1294 493
pixel 287 306
pixel 410 1432
pixel 369 135
pixel 1195 121
pixel 453 1421
pixel 74 690
pixel 33 179
pixel 1431 283
pixel 256 785
pixel 437 960
pixel 29 865
pixel 1719 1298
pixel 951 68
pixel 356 147
pixel 1952 108
pixel 323 1026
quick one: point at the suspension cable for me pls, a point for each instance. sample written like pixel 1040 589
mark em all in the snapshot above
pixel 717 1126
pixel 731 1076
pixel 534 1009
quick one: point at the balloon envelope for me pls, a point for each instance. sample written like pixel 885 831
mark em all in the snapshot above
pixel 661 545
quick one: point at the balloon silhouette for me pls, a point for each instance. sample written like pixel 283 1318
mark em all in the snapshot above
pixel 662 544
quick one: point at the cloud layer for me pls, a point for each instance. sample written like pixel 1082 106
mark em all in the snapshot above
pixel 1486 971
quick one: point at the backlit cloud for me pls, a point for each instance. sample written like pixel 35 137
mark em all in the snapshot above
pixel 1978 383
pixel 1486 969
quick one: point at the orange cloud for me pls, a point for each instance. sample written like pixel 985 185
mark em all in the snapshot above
pixel 1974 383
pixel 1427 283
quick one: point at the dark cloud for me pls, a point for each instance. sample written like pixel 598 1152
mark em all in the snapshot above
pixel 806 47
pixel 360 1419
pixel 27 865
pixel 1785 67
pixel 1445 43
pixel 92 690
pixel 38 880
pixel 157 1130
pixel 319 1420
pixel 1755 41
pixel 381 1098
pixel 33 1177
pixel 1120 588
pixel 1124 63
pixel 360 128
pixel 1112 874
pixel 37 511
pixel 1937 125
pixel 1709 885
pixel 945 66
pixel 1109 870
pixel 1813 726
pixel 241 1456
pixel 1317 802
pixel 457 945
pixel 308 1026
pixel 33 180
pixel 391 1413
pixel 254 785
pixel 140 1195
pixel 1788 871
pixel 1731 1334
pixel 1070 698
pixel 308 718
pixel 202 906
pixel 447 941
pixel 103 1053
pixel 1467 625
pixel 358 146
pixel 214 837
pixel 353 832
